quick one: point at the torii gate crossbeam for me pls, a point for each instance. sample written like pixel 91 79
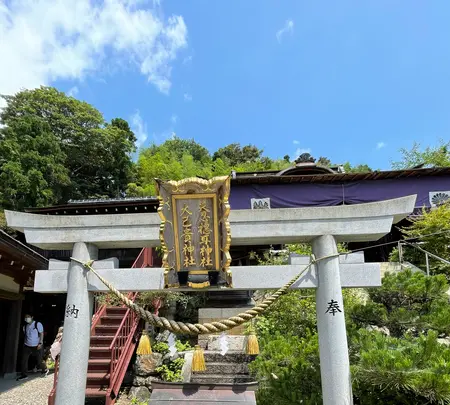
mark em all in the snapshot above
pixel 323 226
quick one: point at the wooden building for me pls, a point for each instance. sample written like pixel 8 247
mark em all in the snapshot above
pixel 17 265
pixel 305 184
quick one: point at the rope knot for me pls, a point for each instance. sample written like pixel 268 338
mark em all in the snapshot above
pixel 87 265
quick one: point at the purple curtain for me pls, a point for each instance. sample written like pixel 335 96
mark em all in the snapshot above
pixel 307 195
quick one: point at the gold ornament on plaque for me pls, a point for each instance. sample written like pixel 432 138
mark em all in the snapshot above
pixel 195 232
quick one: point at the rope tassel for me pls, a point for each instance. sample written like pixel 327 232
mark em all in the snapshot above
pixel 252 344
pixel 144 346
pixel 198 361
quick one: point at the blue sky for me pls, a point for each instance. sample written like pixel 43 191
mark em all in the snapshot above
pixel 348 80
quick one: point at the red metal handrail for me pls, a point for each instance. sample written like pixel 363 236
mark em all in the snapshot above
pixel 122 342
pixel 120 345
pixel 52 394
pixel 96 317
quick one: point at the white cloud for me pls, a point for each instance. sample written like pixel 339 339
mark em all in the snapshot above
pixel 287 29
pixel 73 91
pixel 163 136
pixel 380 145
pixel 139 127
pixel 45 40
pixel 187 97
pixel 187 60
pixel 174 119
pixel 295 142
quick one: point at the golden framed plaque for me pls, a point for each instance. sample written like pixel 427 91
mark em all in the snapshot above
pixel 195 232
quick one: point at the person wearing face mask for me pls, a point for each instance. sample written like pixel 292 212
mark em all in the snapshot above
pixel 33 346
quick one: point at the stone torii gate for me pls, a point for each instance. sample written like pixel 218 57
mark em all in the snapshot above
pixel 321 226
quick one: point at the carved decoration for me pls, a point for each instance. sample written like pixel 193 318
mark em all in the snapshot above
pixel 305 158
pixel 195 232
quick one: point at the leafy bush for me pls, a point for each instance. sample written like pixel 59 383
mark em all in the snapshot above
pixel 436 224
pixel 135 401
pixel 163 347
pixel 171 372
pixel 160 347
pixel 408 367
pixel 288 370
pixel 406 300
pixel 183 347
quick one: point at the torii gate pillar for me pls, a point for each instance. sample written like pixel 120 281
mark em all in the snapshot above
pixel 323 226
pixel 333 348
pixel 71 387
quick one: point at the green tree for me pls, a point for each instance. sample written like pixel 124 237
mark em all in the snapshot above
pixel 412 310
pixel 324 161
pixel 175 159
pixel 361 168
pixel 438 156
pixel 393 337
pixel 400 371
pixel 33 168
pixel 432 230
pixel 234 154
pixel 90 157
pixel 406 300
pixel 179 147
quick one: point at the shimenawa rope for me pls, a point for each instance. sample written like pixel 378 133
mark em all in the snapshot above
pixel 198 328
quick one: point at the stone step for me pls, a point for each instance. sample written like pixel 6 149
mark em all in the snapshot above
pixel 225 368
pixel 230 357
pixel 220 379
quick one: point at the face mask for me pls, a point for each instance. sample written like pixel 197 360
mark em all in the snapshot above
pixel 28 320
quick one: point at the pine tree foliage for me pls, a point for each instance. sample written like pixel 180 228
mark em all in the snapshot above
pixel 407 370
pixel 396 343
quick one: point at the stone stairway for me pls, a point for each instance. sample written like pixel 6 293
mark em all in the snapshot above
pixel 232 368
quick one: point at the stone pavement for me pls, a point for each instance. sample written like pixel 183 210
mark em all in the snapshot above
pixel 34 391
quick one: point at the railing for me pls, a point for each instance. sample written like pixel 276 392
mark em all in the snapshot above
pixel 120 347
pixel 144 259
pixel 51 397
pixel 99 311
pixel 427 254
pixel 126 333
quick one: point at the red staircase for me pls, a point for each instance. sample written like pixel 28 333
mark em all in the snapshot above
pixel 114 334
